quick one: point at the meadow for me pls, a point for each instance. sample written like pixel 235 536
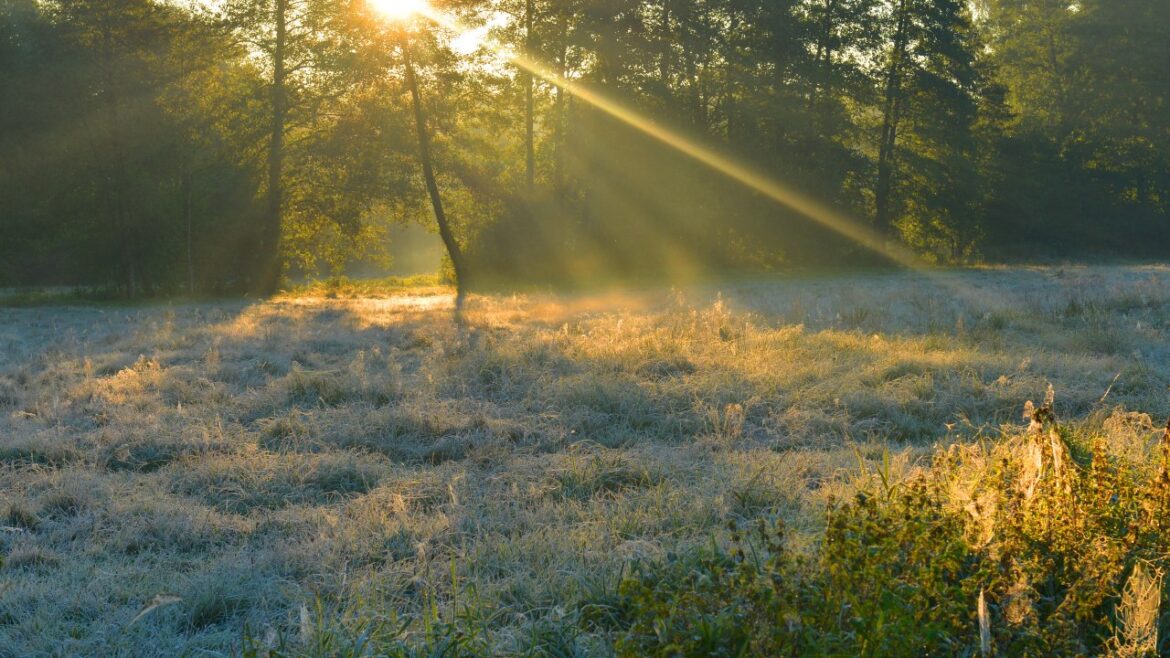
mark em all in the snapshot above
pixel 209 478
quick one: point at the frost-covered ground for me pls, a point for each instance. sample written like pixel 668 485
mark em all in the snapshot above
pixel 369 459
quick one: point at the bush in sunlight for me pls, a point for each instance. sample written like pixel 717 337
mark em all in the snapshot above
pixel 1065 540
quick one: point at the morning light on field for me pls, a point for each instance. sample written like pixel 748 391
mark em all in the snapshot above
pixel 566 328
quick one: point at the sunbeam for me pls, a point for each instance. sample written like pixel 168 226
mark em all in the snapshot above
pixel 762 183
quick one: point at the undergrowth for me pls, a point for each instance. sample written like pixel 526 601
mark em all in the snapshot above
pixel 1052 542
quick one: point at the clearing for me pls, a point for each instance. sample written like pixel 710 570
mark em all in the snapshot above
pixel 340 460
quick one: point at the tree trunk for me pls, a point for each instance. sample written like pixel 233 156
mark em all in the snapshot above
pixel 188 212
pixel 666 60
pixel 529 100
pixel 559 110
pixel 187 181
pixel 891 118
pixel 424 152
pixel 698 118
pixel 1057 79
pixel 116 183
pixel 886 153
pixel 273 221
pixel 823 58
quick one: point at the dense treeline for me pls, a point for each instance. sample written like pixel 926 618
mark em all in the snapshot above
pixel 156 147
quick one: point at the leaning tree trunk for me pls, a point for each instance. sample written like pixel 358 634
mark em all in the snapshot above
pixel 428 166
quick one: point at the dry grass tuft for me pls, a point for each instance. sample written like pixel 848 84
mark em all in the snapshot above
pixel 31 557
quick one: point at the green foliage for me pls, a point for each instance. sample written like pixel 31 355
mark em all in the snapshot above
pixel 1050 528
pixel 893 578
pixel 152 147
pixel 1086 138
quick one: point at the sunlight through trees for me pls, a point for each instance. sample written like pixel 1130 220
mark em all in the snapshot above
pixel 398 9
pixel 150 147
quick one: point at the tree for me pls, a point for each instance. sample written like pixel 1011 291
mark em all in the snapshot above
pixel 297 41
pixel 1033 43
pixel 132 141
pixel 454 251
pixel 1081 166
pixel 407 44
pixel 207 84
pixel 930 101
pixel 1124 103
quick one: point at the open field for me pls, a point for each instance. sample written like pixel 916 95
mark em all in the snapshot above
pixel 292 464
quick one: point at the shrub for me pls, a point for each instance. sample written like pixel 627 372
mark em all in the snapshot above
pixel 1052 542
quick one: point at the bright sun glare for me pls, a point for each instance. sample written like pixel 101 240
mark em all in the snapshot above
pixel 398 9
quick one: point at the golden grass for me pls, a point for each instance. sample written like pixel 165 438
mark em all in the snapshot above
pixel 251 458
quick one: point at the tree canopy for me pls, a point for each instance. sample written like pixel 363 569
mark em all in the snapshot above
pixel 155 147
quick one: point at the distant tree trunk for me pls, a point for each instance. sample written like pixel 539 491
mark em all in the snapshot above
pixel 116 178
pixel 666 60
pixel 271 234
pixel 823 58
pixel 424 151
pixel 891 118
pixel 698 116
pixel 188 212
pixel 559 110
pixel 187 181
pixel 529 99
pixel 1062 103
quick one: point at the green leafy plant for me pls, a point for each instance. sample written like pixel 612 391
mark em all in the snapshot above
pixel 1051 542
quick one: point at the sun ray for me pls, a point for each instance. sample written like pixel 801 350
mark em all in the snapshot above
pixel 801 203
pixel 762 183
